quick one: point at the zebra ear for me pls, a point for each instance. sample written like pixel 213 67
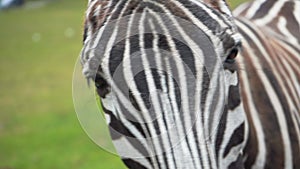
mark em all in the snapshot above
pixel 219 5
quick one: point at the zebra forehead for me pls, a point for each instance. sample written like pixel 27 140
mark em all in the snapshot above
pixel 219 30
pixel 202 11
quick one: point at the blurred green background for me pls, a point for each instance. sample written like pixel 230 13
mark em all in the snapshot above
pixel 39 45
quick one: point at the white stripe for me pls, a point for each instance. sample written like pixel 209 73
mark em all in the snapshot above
pixel 89 9
pixel 210 13
pixel 235 118
pixel 214 78
pixel 275 101
pixel 224 8
pixel 274 98
pixel 241 8
pixel 217 117
pixel 127 104
pixel 265 54
pixel 233 155
pixel 261 156
pixel 215 40
pixel 110 103
pixel 294 54
pixel 90 46
pixel 131 84
pixel 296 13
pixel 254 8
pixel 293 108
pixel 179 65
pixel 282 26
pixel 97 10
pixel 292 81
pixel 276 71
pixel 272 13
pixel 93 44
pixel 167 110
pixel 198 53
pixel 182 149
pixel 124 146
pixel 153 95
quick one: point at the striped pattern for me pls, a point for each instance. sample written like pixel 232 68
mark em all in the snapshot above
pixel 169 87
pixel 270 77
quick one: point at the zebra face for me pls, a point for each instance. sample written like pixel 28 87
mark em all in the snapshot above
pixel 158 68
pixel 209 21
pixel 166 74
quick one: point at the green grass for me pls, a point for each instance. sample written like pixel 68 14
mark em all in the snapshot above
pixel 38 125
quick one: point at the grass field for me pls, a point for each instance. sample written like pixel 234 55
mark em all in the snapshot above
pixel 38 125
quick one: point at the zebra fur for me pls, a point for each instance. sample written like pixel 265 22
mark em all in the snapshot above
pixel 182 114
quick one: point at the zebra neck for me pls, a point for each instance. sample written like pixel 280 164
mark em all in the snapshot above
pixel 219 5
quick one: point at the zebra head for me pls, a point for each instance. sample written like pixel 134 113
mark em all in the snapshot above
pixel 165 72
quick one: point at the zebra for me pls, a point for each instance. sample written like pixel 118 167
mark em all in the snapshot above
pixel 271 53
pixel 189 84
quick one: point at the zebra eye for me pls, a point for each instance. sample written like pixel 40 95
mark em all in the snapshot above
pixel 97 85
pixel 232 55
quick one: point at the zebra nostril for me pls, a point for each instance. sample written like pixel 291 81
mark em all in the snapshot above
pixel 232 55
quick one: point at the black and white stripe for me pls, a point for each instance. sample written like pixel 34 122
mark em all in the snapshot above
pixel 270 59
pixel 169 86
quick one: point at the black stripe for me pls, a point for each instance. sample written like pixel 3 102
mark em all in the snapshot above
pixel 133 164
pixel 216 99
pixel 203 16
pixel 116 56
pixel 117 12
pixel 292 25
pixel 118 130
pixel 238 164
pixel 267 114
pixel 186 55
pixel 198 146
pixel 205 89
pixel 283 101
pixel 221 131
pixel 234 98
pixel 236 138
pixel 261 12
pixel 85 32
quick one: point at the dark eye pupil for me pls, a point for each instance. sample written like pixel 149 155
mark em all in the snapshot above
pixel 232 55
